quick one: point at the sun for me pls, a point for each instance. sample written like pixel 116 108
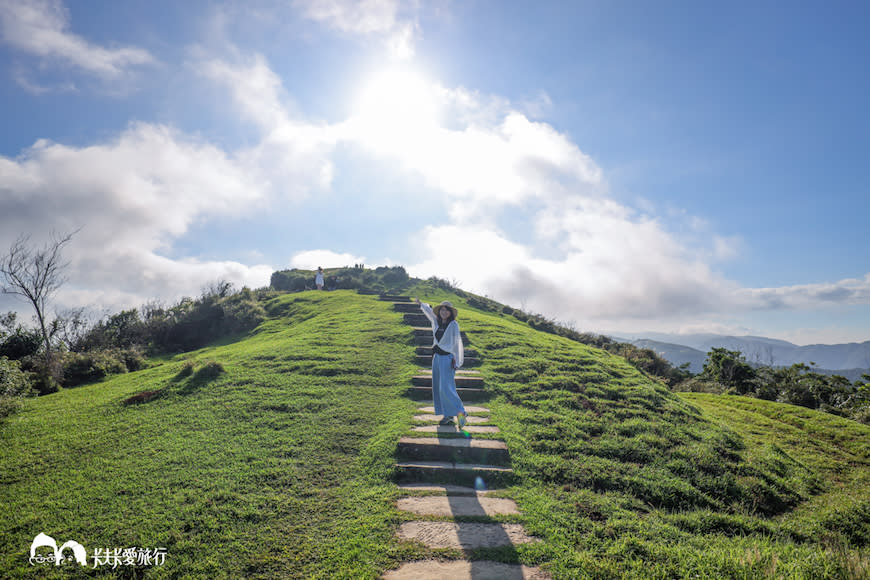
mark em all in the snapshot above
pixel 398 101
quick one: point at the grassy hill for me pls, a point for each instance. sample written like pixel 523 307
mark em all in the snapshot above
pixel 270 455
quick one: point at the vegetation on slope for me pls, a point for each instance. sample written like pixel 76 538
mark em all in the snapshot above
pixel 268 457
pixel 271 456
pixel 622 478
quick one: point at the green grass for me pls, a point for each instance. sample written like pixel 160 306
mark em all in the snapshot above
pixel 276 466
pixel 270 456
pixel 624 479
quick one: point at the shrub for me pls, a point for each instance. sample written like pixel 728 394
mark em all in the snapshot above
pixel 695 385
pixel 87 367
pixel 241 312
pixel 21 343
pixel 291 280
pixel 392 275
pixel 484 304
pixel 14 385
pixel 133 359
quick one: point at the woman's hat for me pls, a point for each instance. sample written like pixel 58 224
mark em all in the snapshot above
pixel 445 304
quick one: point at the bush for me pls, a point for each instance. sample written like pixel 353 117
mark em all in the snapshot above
pixel 14 385
pixel 484 304
pixel 695 385
pixel 392 275
pixel 87 367
pixel 20 344
pixel 291 280
pixel 133 359
pixel 241 312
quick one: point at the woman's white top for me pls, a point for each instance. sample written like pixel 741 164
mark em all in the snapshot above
pixel 318 278
pixel 451 341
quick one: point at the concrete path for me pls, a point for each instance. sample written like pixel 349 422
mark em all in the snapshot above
pixel 448 476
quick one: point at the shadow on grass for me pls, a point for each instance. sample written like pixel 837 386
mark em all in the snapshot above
pixel 190 380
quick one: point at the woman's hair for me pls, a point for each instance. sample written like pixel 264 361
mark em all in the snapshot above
pixel 438 314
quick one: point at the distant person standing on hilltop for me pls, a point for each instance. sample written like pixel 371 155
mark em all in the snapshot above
pixel 318 278
pixel 447 356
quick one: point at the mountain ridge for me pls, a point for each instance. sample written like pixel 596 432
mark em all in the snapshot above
pixel 693 348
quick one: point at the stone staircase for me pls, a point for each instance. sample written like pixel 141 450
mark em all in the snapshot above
pixel 451 478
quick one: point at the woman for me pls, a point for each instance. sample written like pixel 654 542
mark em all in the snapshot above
pixel 447 356
pixel 318 278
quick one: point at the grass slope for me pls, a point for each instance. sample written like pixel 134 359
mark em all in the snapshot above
pixel 277 467
pixel 280 466
pixel 626 479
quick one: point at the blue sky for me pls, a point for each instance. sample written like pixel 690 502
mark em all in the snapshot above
pixel 620 166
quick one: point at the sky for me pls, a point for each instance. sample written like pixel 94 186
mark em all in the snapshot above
pixel 620 167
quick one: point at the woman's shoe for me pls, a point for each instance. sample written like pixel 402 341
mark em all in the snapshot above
pixel 446 421
pixel 462 419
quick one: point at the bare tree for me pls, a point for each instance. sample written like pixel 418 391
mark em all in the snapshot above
pixel 71 326
pixel 35 274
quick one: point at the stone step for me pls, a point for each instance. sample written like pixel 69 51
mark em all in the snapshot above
pixel 416 320
pixel 470 410
pixel 423 393
pixel 452 430
pixel 464 570
pixel 456 450
pixel 394 298
pixel 407 307
pixel 474 382
pixel 443 506
pixel 430 418
pixel 464 536
pixel 479 476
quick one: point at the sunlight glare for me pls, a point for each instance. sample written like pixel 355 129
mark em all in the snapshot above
pixel 397 102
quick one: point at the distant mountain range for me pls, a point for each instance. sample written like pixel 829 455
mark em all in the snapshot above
pixel 850 360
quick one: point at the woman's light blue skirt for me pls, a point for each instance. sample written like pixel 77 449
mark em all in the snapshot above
pixel 444 395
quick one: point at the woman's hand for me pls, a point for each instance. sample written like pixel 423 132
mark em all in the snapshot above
pixel 417 300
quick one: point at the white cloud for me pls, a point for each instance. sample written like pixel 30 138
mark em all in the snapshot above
pixel 356 16
pixel 40 28
pixel 802 296
pixel 292 155
pixel 132 197
pixel 481 169
pixel 382 18
pixel 312 259
pixel 612 267
pixel 726 247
